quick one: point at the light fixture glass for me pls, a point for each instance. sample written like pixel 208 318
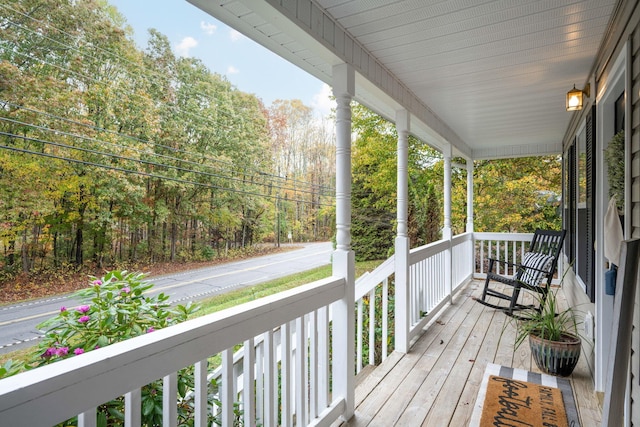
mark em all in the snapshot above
pixel 574 99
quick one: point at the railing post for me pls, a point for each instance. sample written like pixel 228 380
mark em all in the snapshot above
pixel 343 330
pixel 446 231
pixel 402 288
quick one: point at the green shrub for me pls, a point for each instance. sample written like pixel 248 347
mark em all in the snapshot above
pixel 114 308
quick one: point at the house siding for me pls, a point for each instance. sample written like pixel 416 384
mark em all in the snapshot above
pixel 626 28
pixel 635 212
pixel 633 97
pixel 632 34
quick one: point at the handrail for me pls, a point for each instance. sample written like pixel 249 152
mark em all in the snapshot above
pixel 511 237
pixel 369 280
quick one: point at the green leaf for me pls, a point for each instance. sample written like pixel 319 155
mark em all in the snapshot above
pixel 148 406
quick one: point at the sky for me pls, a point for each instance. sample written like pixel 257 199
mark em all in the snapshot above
pixel 247 65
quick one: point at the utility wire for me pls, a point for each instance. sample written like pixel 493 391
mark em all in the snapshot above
pixel 169 148
pixel 141 161
pixel 151 175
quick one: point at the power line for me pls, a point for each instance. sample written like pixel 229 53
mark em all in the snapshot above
pixel 174 149
pixel 151 175
pixel 141 161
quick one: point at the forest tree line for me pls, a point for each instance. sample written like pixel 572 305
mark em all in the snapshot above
pixel 110 153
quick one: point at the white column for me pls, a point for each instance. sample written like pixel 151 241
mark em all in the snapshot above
pixel 343 356
pixel 446 231
pixel 402 289
pixel 469 228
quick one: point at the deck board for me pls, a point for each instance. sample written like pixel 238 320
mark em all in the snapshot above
pixel 437 382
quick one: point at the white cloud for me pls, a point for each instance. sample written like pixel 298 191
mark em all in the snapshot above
pixel 208 27
pixel 236 35
pixel 232 70
pixel 322 101
pixel 187 43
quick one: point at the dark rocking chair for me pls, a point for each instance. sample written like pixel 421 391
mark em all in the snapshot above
pixel 538 264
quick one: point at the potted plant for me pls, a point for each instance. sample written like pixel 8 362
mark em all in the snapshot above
pixel 553 336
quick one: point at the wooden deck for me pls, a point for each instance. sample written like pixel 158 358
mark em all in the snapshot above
pixel 436 384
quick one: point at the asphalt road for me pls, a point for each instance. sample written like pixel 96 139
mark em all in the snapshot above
pixel 18 322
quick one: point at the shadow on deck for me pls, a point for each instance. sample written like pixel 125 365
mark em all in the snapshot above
pixel 436 384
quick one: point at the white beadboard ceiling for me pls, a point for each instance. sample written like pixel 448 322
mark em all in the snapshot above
pixel 488 77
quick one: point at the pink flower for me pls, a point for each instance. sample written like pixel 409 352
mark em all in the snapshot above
pixel 150 329
pixel 63 309
pixel 97 282
pixel 84 319
pixel 83 308
pixel 62 351
pixel 78 351
pixel 125 290
pixel 48 353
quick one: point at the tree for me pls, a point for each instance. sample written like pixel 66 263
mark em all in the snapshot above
pixel 374 196
pixel 517 195
pixel 111 154
pixel 302 153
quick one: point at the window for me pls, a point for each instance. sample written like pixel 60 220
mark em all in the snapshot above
pixel 579 209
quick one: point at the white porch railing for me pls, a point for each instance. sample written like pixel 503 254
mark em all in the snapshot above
pixel 504 246
pixel 281 373
pixel 429 292
pixel 54 393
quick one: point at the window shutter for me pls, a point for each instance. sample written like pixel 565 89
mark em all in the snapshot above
pixel 570 212
pixel 591 180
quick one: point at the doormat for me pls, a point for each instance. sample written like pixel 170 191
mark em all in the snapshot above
pixel 521 375
pixel 511 402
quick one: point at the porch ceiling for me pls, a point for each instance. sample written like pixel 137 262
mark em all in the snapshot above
pixel 488 77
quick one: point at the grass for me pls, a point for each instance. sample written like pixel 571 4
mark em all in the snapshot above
pixel 240 296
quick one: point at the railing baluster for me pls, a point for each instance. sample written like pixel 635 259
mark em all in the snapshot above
pixel 413 294
pixel 270 382
pixel 385 317
pixel 200 394
pixel 300 373
pixel 490 253
pixel 169 398
pixel 359 328
pixel 87 418
pixel 248 392
pixel 323 358
pixel 226 395
pixel 372 327
pixel 132 408
pixel 313 365
pixel 506 256
pixel 260 383
pixel 285 363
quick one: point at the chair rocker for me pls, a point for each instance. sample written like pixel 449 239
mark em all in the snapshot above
pixel 538 265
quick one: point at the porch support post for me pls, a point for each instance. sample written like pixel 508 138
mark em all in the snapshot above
pixel 402 304
pixel 446 231
pixel 343 356
pixel 469 228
